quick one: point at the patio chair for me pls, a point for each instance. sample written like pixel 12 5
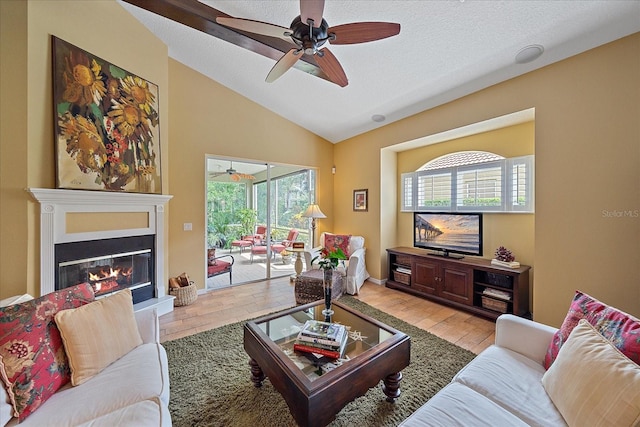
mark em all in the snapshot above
pixel 217 267
pixel 286 243
pixel 251 239
pixel 259 250
pixel 258 237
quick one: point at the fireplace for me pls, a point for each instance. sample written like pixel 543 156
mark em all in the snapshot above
pixel 84 235
pixel 109 265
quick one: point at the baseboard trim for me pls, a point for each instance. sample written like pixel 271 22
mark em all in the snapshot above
pixel 377 281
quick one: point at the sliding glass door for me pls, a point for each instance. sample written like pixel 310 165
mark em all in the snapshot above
pixel 282 199
pixel 252 211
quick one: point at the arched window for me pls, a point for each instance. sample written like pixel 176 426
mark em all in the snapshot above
pixel 470 181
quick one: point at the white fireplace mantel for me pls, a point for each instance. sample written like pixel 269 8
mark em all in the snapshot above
pixel 55 204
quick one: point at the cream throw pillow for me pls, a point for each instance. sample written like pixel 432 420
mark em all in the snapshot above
pixel 592 383
pixel 97 334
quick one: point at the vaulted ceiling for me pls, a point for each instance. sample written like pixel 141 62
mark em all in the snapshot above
pixel 446 49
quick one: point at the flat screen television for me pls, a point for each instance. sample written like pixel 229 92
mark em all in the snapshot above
pixel 449 234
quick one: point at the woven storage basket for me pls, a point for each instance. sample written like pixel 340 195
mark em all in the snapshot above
pixel 185 295
pixel 495 305
pixel 403 278
pixel 403 259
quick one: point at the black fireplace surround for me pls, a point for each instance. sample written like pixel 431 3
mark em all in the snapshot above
pixel 108 265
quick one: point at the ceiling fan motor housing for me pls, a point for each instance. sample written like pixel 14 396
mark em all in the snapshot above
pixel 307 37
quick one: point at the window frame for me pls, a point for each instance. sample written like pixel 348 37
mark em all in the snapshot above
pixel 409 183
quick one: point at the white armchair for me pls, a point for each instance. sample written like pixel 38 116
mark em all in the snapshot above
pixel 354 269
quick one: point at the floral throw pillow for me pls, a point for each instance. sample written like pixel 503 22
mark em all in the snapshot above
pixel 33 364
pixel 620 328
pixel 333 241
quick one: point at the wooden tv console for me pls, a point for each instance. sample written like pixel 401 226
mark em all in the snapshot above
pixel 462 283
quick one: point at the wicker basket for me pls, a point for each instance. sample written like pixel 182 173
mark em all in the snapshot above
pixel 403 260
pixel 185 295
pixel 403 278
pixel 501 280
pixel 495 305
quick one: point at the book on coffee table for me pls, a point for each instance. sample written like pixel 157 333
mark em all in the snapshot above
pixel 323 332
pixel 324 350
pixel 329 343
pixel 324 338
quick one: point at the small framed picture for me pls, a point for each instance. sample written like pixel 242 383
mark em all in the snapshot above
pixel 361 200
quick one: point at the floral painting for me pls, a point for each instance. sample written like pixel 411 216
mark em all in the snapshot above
pixel 106 124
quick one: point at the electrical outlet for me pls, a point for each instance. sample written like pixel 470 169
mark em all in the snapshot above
pixel 187 226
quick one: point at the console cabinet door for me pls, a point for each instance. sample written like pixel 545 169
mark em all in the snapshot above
pixel 457 284
pixel 425 277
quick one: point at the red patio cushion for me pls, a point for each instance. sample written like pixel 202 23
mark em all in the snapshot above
pixel 259 250
pixel 220 266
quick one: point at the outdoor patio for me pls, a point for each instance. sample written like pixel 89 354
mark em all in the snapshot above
pixel 245 271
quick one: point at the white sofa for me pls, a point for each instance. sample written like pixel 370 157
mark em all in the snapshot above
pixel 354 270
pixel 132 391
pixel 501 386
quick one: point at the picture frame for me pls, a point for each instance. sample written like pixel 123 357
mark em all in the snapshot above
pixel 361 200
pixel 107 130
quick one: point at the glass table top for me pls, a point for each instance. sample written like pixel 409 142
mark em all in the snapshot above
pixel 283 331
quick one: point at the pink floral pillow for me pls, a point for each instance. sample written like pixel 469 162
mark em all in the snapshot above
pixel 622 329
pixel 333 241
pixel 33 364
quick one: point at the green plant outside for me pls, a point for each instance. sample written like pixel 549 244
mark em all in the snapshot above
pixel 224 202
pixel 247 219
pixel 489 201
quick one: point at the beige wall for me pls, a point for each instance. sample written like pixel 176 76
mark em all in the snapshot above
pixel 14 229
pixel 586 132
pixel 209 119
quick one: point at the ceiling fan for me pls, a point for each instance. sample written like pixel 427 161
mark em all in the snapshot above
pixel 309 32
pixel 233 174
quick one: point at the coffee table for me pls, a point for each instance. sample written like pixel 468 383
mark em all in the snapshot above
pixel 317 388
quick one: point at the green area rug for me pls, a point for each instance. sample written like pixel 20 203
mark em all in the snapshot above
pixel 211 386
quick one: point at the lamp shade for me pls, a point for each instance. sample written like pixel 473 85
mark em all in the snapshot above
pixel 313 211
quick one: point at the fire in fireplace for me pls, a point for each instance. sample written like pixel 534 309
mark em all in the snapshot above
pixel 108 265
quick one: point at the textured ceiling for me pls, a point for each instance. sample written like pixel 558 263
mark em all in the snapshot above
pixel 445 50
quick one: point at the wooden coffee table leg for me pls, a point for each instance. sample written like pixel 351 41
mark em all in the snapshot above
pixel 391 386
pixel 257 376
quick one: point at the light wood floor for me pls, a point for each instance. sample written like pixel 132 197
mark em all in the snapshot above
pixel 223 306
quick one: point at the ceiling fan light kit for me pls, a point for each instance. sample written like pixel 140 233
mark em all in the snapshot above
pixel 308 33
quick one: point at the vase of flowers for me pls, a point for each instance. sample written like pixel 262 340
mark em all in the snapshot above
pixel 328 261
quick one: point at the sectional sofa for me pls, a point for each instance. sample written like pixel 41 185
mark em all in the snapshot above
pixel 584 374
pixel 100 364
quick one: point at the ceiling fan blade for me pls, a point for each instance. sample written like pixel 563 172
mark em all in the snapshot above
pixel 332 68
pixel 255 27
pixel 201 17
pixel 362 32
pixel 312 9
pixel 283 65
